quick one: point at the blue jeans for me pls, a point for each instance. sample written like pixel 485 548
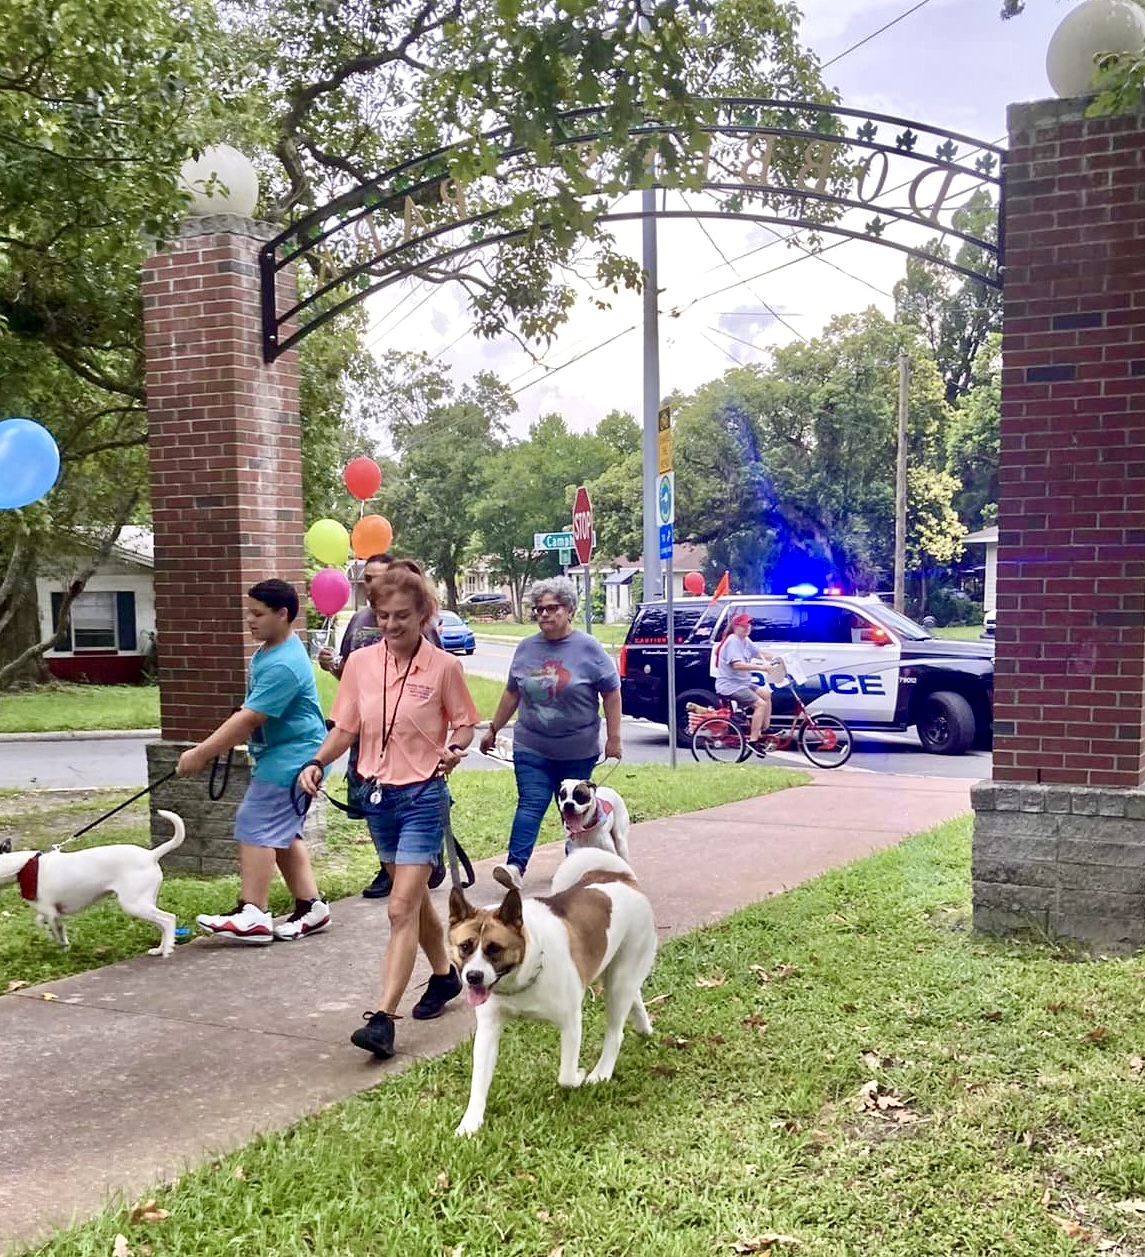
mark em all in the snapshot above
pixel 538 780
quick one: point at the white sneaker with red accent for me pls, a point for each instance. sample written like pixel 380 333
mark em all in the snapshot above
pixel 305 919
pixel 246 924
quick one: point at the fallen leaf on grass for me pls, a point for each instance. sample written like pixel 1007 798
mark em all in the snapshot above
pixel 1136 1065
pixel 238 1173
pixel 441 1183
pixel 543 1215
pixel 49 996
pixel 524 1176
pixel 674 1041
pixel 1133 1205
pixel 710 982
pixel 1073 1229
pixel 764 1243
pixel 1108 1246
pixel 17 984
pixel 1097 1035
pixel 756 1021
pixel 994 1015
pixel 789 1126
pixel 558 1251
pixel 885 1102
pixel 657 999
pixel 119 1247
pixel 147 1212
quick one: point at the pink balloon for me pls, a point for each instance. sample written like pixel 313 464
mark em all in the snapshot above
pixel 329 591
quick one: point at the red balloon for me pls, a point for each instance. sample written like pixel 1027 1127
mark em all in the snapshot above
pixel 372 534
pixel 363 477
pixel 693 583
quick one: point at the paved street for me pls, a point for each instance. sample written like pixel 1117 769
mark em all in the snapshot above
pixel 84 763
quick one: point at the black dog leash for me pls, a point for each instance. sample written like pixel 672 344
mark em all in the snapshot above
pixel 126 803
pixel 456 854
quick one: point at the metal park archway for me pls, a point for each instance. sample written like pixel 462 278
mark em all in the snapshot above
pixel 818 168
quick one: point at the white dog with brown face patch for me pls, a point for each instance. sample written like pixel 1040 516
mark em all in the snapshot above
pixel 534 958
pixel 60 883
pixel 593 816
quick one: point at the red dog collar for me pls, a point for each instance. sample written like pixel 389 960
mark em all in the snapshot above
pixel 28 878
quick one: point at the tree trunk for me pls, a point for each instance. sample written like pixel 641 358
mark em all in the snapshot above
pixel 22 632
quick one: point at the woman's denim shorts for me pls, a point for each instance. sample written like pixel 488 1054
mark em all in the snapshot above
pixel 408 823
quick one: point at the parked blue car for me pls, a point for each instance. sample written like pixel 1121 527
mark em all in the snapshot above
pixel 456 635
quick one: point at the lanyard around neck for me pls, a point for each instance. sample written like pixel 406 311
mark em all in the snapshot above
pixel 387 730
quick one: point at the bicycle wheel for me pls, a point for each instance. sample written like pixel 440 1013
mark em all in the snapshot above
pixel 826 741
pixel 720 739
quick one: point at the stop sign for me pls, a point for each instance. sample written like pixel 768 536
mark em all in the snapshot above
pixel 582 525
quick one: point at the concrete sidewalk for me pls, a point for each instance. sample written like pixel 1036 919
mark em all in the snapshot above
pixel 140 1069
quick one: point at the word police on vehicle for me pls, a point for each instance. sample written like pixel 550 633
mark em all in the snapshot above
pixel 862 661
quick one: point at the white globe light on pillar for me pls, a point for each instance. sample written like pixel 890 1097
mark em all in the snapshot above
pixel 1092 28
pixel 220 181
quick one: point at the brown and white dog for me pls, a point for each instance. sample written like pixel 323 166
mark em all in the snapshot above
pixel 60 883
pixel 593 816
pixel 534 958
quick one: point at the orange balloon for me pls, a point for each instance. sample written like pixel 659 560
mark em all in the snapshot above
pixel 372 534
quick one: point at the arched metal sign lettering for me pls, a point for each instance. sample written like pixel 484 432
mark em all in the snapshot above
pixel 848 173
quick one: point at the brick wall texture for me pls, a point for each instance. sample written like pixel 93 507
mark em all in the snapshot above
pixel 1070 670
pixel 226 471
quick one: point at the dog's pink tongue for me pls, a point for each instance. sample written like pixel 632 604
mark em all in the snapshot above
pixel 475 996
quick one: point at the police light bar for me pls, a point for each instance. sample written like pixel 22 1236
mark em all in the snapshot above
pixel 803 591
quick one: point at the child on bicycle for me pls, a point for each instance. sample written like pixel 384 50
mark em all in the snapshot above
pixel 734 659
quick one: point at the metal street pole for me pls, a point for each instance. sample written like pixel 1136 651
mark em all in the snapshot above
pixel 652 581
pixel 900 485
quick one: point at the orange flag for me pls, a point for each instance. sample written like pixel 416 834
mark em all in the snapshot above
pixel 723 586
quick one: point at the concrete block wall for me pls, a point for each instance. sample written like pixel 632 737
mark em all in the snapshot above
pixel 1062 862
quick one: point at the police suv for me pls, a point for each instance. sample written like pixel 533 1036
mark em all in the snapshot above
pixel 860 660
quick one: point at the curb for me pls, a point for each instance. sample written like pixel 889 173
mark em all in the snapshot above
pixel 81 735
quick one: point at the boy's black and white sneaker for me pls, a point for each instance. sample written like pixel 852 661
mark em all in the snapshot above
pixel 309 916
pixel 376 1036
pixel 439 990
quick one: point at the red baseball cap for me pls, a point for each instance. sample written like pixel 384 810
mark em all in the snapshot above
pixel 742 618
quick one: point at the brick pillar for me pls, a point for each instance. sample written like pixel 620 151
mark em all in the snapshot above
pixel 1058 834
pixel 226 497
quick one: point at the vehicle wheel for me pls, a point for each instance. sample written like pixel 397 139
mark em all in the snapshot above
pixel 827 743
pixel 470 649
pixel 946 723
pixel 703 698
pixel 720 739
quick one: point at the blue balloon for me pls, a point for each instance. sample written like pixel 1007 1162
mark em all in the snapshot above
pixel 29 462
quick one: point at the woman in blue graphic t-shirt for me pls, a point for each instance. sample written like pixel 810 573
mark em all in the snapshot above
pixel 557 681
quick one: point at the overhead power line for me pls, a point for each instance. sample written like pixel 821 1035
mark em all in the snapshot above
pixel 875 34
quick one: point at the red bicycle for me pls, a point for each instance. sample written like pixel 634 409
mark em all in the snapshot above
pixel 721 734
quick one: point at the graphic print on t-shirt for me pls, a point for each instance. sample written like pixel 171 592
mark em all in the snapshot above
pixel 542 687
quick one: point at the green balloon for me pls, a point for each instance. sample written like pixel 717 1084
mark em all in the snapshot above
pixel 328 542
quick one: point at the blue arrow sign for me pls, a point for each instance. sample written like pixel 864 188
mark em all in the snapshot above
pixel 666 541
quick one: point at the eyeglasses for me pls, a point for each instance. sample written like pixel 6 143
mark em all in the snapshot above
pixel 549 608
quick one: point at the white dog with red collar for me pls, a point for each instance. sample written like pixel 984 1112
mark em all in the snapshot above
pixel 593 816
pixel 59 883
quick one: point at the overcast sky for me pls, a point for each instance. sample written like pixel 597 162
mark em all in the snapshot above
pixel 952 63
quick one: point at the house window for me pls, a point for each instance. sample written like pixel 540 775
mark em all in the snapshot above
pixel 97 621
pixel 93 622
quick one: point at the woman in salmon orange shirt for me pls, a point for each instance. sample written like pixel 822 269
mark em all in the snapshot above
pixel 407 703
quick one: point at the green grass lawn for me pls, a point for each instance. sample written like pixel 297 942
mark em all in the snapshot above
pixel 67 707
pixel 959 632
pixel 482 814
pixel 608 634
pixel 844 1070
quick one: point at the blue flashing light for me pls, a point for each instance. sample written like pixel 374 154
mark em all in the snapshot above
pixel 803 591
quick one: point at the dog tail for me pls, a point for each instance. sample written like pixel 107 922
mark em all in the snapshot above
pixel 587 860
pixel 157 853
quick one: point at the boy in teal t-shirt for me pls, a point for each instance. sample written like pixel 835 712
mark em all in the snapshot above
pixel 281 723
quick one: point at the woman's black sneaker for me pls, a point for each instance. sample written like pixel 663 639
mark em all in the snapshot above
pixel 380 887
pixel 376 1036
pixel 439 990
